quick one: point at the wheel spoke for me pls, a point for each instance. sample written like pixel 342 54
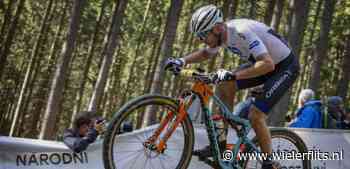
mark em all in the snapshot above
pixel 128 157
pixel 279 144
pixel 125 160
pixel 161 163
pixel 128 150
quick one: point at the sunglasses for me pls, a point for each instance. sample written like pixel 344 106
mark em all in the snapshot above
pixel 203 35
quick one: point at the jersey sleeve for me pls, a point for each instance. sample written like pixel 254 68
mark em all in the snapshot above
pixel 254 44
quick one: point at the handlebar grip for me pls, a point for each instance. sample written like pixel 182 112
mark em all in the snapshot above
pixel 187 72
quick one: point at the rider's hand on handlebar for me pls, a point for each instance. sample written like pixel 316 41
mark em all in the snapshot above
pixel 222 75
pixel 174 65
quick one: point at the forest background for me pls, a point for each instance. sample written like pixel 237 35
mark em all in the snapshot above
pixel 59 57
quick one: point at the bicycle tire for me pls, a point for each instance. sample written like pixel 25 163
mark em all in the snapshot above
pixel 116 121
pixel 290 136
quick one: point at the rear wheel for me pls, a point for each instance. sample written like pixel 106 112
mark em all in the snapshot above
pixel 283 140
pixel 127 150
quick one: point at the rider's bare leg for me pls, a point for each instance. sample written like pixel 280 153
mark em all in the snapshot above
pixel 258 120
pixel 226 92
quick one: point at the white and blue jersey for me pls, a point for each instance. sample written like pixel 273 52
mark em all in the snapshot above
pixel 249 39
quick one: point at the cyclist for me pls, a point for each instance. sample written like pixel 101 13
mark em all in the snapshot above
pixel 271 64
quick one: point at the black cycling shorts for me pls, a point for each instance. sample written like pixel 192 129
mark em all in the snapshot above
pixel 274 84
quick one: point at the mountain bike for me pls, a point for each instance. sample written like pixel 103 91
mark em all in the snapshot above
pixel 163 135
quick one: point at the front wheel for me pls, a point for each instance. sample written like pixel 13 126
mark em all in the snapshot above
pixel 126 149
pixel 283 142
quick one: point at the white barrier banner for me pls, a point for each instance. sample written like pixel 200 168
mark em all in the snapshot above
pixel 19 153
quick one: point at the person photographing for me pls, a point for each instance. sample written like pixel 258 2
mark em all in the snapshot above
pixel 85 130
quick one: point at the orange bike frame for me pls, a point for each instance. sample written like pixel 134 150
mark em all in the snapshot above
pixel 201 89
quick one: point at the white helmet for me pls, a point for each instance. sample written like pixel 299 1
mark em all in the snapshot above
pixel 205 18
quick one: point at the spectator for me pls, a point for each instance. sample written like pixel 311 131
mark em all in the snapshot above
pixel 334 113
pixel 309 114
pixel 126 127
pixel 345 124
pixel 84 132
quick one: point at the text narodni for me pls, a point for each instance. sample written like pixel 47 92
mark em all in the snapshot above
pixel 39 159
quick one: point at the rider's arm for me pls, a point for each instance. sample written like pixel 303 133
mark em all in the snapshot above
pixel 76 143
pixel 263 61
pixel 263 65
pixel 200 55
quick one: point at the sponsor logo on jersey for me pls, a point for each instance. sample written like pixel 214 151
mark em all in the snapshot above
pixel 234 50
pixel 254 44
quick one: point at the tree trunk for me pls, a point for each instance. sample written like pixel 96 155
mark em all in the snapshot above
pixel 298 24
pixel 343 84
pixel 43 87
pixel 139 45
pixel 148 77
pixel 186 40
pixel 7 20
pixel 5 48
pixel 91 51
pixel 151 66
pixel 232 10
pixel 322 45
pixel 33 60
pixel 105 99
pixel 113 40
pixel 304 70
pixel 157 41
pixel 166 50
pixel 57 87
pixel 277 15
pixel 252 9
pixel 115 89
pixel 9 92
pixel 269 11
pixel 2 6
pixel 296 35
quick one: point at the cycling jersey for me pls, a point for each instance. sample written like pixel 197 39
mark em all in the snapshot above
pixel 249 39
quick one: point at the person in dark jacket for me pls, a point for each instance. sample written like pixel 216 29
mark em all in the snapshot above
pixel 84 132
pixel 345 124
pixel 309 115
pixel 334 113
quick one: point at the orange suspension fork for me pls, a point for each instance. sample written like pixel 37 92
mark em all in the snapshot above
pixel 179 118
pixel 201 89
pixel 161 127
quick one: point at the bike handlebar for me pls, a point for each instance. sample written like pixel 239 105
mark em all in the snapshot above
pixel 197 75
